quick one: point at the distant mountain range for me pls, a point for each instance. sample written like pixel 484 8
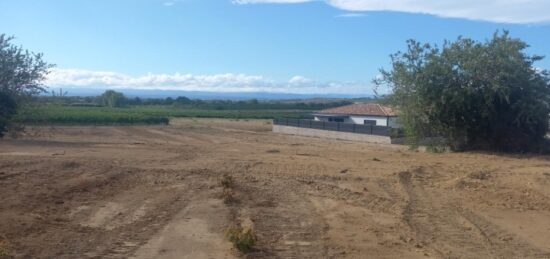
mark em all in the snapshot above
pixel 207 95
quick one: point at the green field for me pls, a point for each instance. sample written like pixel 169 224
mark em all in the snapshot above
pixel 57 114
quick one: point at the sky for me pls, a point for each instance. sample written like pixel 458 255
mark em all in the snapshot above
pixel 281 46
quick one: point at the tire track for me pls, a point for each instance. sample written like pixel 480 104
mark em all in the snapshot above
pixel 286 223
pixel 442 227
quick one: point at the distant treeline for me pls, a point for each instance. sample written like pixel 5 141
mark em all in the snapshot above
pixel 114 108
pixel 115 99
pixel 84 115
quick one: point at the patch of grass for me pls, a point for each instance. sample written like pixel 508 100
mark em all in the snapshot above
pixel 480 175
pixel 436 148
pixel 4 249
pixel 227 196
pixel 242 239
pixel 227 181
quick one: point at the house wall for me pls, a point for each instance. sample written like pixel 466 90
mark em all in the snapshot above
pixel 323 118
pixel 380 120
pixel 331 134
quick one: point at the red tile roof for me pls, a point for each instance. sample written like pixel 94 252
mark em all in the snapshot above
pixel 372 109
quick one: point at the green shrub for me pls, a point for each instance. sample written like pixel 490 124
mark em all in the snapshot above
pixel 475 95
pixel 435 148
pixel 7 111
pixel 242 239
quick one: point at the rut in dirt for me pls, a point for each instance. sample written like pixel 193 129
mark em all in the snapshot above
pixel 284 220
pixel 443 228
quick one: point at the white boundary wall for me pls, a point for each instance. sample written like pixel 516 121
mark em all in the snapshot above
pixel 331 134
pixel 387 121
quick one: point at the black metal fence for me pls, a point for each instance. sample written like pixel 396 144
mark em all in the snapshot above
pixel 335 126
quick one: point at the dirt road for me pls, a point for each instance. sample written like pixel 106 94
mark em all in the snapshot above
pixel 154 192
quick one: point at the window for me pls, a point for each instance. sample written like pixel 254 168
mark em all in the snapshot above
pixel 336 119
pixel 370 122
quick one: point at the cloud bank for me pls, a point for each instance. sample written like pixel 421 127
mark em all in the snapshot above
pixel 502 11
pixel 79 78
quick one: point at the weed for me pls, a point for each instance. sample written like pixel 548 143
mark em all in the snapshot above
pixel 227 196
pixel 436 148
pixel 242 239
pixel 227 181
pixel 70 165
pixel 4 251
pixel 480 175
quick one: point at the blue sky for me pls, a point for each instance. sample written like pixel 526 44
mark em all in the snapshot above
pixel 322 46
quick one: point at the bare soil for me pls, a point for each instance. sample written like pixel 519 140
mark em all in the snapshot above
pixel 155 192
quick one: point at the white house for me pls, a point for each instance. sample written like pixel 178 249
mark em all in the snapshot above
pixel 360 113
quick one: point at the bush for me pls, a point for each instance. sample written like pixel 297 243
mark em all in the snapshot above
pixel 21 73
pixel 8 108
pixel 475 95
pixel 243 240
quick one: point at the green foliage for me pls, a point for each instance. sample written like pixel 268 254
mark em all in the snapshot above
pixel 21 71
pixel 473 94
pixel 242 239
pixel 4 253
pixel 7 110
pixel 434 148
pixel 62 109
pixel 4 249
pixel 82 115
pixel 112 98
pixel 20 75
pixel 186 103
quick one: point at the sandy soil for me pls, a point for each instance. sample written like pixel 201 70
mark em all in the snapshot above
pixel 154 192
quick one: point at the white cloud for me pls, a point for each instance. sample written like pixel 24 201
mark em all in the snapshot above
pixel 350 15
pixel 300 80
pixel 504 11
pixel 79 78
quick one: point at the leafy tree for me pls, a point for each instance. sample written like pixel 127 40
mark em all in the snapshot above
pixel 112 98
pixel 21 74
pixel 183 100
pixel 7 110
pixel 473 94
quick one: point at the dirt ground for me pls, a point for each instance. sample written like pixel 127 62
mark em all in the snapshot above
pixel 155 192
